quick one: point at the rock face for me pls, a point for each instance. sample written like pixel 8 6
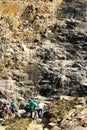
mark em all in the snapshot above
pixel 68 113
pixel 43 48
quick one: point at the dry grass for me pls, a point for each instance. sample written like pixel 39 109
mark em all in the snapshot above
pixel 17 124
pixel 61 108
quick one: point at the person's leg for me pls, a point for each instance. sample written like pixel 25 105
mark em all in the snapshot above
pixel 36 113
pixel 5 114
pixel 40 113
pixel 13 112
pixel 31 113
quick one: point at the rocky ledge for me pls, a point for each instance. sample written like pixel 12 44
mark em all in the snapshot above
pixel 43 49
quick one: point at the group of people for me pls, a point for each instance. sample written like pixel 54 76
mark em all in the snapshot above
pixel 37 109
pixel 10 108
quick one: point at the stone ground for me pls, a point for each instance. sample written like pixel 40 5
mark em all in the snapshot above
pixel 36 125
pixel 2 127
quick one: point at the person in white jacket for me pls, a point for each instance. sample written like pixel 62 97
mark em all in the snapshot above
pixel 6 110
pixel 41 107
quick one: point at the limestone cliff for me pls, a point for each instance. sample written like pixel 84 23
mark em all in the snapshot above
pixel 43 48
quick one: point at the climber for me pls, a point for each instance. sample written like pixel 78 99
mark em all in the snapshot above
pixel 6 110
pixel 33 107
pixel 13 108
pixel 41 107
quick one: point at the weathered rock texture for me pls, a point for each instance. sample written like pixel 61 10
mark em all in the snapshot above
pixel 43 48
pixel 65 116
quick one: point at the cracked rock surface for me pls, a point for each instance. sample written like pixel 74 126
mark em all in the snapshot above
pixel 43 48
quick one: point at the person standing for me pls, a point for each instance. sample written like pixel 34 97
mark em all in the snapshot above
pixel 33 107
pixel 41 107
pixel 6 110
pixel 13 108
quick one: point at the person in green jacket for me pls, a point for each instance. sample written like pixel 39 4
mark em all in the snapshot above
pixel 33 106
